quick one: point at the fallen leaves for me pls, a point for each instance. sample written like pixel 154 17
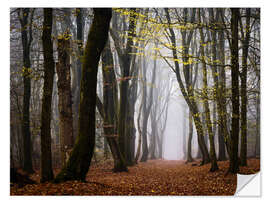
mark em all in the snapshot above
pixel 155 177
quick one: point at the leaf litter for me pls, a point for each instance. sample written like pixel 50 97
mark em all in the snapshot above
pixel 154 177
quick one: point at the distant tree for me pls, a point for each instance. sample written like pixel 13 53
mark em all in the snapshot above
pixel 81 155
pixel 147 104
pixel 188 92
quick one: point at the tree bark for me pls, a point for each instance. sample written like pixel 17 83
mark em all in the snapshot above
pixel 190 135
pixel 65 102
pixel 257 151
pixel 244 101
pixel 146 110
pixel 234 165
pixel 214 166
pixel 223 136
pixel 123 107
pixel 78 71
pixel 26 36
pixel 184 145
pixel 110 103
pixel 138 151
pixel 145 114
pixel 81 155
pixel 46 155
pixel 131 130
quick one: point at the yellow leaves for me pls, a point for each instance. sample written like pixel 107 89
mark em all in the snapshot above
pixel 168 45
pixel 190 61
pixel 138 54
pixel 65 36
pixel 216 61
pixel 155 48
pixel 196 115
pixel 26 72
pixel 137 47
pixel 177 60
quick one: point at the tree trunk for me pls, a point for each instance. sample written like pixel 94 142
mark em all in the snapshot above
pixel 144 133
pixel 81 155
pixel 139 131
pixel 234 166
pixel 190 134
pixel 214 166
pixel 131 136
pixel 184 145
pixel 64 93
pixel 257 150
pixel 221 148
pixel 110 108
pixel 78 71
pixel 123 107
pixel 153 141
pixel 222 111
pixel 46 155
pixel 244 101
pixel 26 71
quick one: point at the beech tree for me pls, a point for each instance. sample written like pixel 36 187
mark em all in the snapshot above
pixel 234 165
pixel 110 103
pixel 245 35
pixel 214 165
pixel 125 61
pixel 165 75
pixel 64 92
pixel 46 155
pixel 26 36
pixel 81 155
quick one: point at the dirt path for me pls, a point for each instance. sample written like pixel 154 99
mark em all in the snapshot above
pixel 157 177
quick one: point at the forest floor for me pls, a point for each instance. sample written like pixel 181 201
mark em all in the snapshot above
pixel 154 177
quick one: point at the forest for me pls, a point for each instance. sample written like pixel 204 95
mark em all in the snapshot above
pixel 133 101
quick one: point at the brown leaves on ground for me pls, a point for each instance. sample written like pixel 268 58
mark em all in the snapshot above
pixel 155 177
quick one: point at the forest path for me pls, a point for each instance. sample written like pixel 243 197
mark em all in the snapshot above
pixel 154 177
